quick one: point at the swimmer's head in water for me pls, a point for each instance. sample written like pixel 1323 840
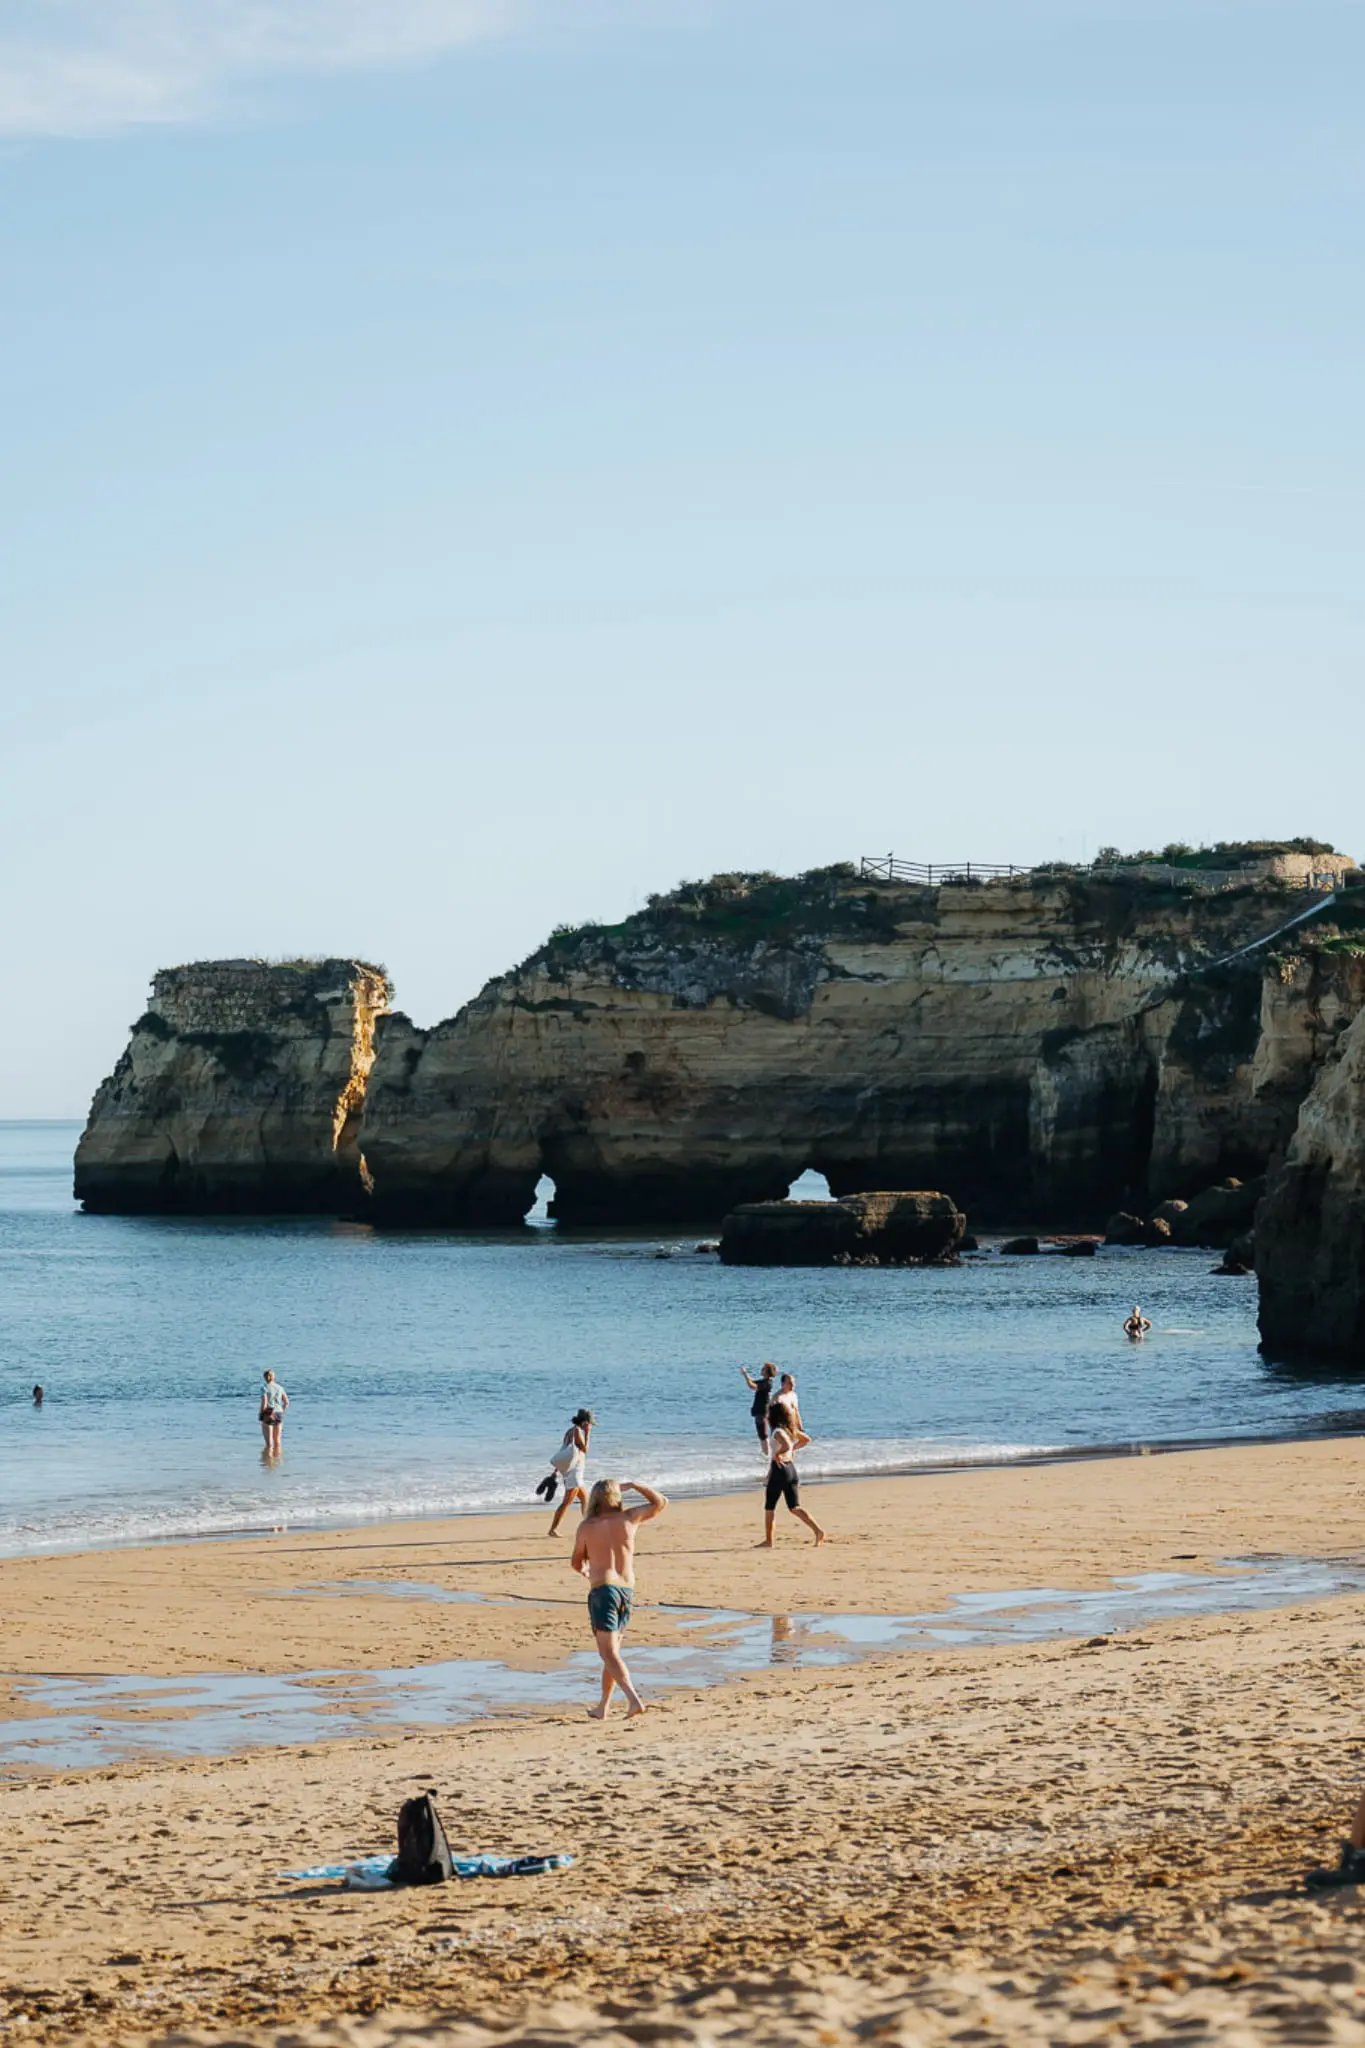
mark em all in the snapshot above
pixel 605 1498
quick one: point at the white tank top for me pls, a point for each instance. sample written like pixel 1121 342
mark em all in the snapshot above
pixel 569 1460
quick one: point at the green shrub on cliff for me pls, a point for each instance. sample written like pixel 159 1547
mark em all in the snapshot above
pixel 1345 932
pixel 739 910
pixel 1224 853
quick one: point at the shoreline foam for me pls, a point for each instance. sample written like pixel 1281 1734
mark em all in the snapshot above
pixel 984 1459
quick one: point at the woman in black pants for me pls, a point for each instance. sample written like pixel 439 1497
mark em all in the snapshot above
pixel 784 1483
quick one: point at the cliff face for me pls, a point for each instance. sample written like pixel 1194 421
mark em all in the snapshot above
pixel 1049 1049
pixel 241 1089
pixel 1310 1228
pixel 1234 1050
pixel 1033 1048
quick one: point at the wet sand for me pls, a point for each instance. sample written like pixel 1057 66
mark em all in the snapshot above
pixel 1074 1841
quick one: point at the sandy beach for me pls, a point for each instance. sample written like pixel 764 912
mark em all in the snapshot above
pixel 1088 1839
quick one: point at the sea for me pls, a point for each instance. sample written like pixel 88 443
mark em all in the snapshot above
pixel 434 1373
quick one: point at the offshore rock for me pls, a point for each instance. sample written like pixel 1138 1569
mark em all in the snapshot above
pixel 240 1091
pixel 1310 1226
pixel 1218 1216
pixel 1055 1047
pixel 887 1229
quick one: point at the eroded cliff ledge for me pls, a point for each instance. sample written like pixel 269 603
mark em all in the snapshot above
pixel 1310 1228
pixel 1047 1048
pixel 241 1090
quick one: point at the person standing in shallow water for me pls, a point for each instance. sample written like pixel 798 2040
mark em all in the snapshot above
pixel 785 1408
pixel 762 1391
pixel 274 1401
pixel 1137 1324
pixel 605 1555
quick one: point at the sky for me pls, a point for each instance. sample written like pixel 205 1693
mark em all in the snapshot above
pixel 467 465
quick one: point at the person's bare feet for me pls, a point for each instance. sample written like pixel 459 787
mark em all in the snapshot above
pixel 819 1538
pixel 598 1713
pixel 634 1713
pixel 766 1544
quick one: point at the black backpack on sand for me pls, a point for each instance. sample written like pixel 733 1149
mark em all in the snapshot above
pixel 423 1851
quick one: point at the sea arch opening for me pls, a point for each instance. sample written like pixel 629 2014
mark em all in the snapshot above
pixel 810 1186
pixel 540 1215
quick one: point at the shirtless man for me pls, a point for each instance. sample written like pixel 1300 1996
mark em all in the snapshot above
pixel 785 1407
pixel 784 1482
pixel 605 1554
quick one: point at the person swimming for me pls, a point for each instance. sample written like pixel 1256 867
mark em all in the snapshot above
pixel 1137 1325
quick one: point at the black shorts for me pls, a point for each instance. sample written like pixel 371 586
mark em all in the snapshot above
pixel 782 1485
pixel 761 1425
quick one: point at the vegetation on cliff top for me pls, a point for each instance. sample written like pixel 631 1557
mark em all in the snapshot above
pixel 739 910
pixel 1224 853
pixel 745 910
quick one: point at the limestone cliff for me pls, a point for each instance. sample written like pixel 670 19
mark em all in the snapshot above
pixel 1235 1048
pixel 240 1090
pixel 1039 1047
pixel 1310 1228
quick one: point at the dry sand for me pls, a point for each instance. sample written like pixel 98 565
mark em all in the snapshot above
pixel 1070 1842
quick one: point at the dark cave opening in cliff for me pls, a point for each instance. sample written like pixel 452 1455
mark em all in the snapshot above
pixel 810 1186
pixel 538 1215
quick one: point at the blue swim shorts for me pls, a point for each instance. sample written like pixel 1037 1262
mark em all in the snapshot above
pixel 609 1608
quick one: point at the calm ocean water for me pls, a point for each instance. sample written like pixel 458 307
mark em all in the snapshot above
pixel 436 1373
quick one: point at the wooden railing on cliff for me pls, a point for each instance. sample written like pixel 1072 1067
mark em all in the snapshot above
pixel 931 874
pixel 884 867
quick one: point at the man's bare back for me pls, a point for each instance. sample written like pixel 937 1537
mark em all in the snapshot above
pixel 605 1554
pixel 605 1550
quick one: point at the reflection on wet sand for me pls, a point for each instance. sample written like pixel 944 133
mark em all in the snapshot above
pixel 90 1721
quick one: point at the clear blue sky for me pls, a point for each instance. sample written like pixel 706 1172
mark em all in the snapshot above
pixel 467 465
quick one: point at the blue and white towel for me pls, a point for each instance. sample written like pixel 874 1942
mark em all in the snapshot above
pixel 371 1873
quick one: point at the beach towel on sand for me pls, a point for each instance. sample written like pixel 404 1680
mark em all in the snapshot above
pixel 371 1873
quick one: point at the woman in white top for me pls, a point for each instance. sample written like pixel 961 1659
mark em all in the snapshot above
pixel 274 1401
pixel 570 1461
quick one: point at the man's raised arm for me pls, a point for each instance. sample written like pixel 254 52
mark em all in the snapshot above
pixel 655 1503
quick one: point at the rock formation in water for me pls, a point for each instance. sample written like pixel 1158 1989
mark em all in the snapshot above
pixel 241 1090
pixel 911 1229
pixel 1050 1047
pixel 1310 1227
pixel 1043 1047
